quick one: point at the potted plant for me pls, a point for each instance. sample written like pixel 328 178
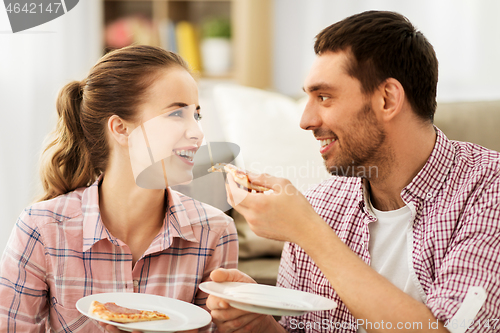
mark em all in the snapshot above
pixel 216 46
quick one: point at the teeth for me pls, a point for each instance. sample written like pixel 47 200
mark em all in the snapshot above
pixel 325 142
pixel 189 154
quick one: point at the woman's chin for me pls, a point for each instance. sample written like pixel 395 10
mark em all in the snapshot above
pixel 185 179
pixel 187 182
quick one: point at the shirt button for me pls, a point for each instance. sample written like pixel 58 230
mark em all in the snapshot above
pixel 136 283
pixel 429 195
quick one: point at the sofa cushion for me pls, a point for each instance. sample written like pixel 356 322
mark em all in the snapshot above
pixel 475 122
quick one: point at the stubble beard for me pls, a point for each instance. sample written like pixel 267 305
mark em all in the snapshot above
pixel 361 153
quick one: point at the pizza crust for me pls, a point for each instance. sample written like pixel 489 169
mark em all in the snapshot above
pixel 100 311
pixel 240 176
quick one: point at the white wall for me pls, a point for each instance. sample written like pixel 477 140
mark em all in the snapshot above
pixel 465 35
pixel 34 65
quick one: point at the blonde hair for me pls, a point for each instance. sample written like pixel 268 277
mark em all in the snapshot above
pixel 77 152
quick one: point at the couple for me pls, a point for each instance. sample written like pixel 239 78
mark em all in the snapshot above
pixel 404 246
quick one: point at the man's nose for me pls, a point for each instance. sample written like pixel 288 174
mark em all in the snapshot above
pixel 310 119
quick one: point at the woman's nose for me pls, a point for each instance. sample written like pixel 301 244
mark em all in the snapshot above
pixel 194 131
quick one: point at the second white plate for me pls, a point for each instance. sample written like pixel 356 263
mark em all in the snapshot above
pixel 259 298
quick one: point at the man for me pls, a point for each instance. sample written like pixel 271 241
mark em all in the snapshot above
pixel 409 223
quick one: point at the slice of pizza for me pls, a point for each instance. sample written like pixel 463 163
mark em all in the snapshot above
pixel 240 176
pixel 112 312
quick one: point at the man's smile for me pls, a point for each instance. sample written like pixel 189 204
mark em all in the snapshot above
pixel 326 144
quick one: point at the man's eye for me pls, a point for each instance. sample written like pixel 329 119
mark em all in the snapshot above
pixel 323 98
pixel 197 116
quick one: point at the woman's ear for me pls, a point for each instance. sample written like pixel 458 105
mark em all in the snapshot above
pixel 392 96
pixel 118 130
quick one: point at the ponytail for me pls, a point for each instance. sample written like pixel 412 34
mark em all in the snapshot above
pixel 65 163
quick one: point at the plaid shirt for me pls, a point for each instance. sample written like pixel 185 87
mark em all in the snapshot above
pixel 455 203
pixel 60 251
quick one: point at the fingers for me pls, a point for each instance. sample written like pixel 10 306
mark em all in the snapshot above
pixel 110 328
pixel 265 180
pixel 229 194
pixel 113 329
pixel 229 321
pixel 230 275
pixel 276 184
pixel 235 195
pixel 216 303
pixel 225 275
pixel 227 318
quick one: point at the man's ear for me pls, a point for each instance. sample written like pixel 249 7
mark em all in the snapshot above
pixel 118 130
pixel 391 98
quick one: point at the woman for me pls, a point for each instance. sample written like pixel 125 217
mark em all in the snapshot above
pixel 96 230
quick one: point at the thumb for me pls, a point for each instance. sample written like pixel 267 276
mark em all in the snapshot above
pixel 266 180
pixel 230 275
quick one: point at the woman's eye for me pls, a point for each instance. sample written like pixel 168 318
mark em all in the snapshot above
pixel 197 116
pixel 176 114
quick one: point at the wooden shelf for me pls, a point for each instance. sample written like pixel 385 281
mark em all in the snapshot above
pixel 250 24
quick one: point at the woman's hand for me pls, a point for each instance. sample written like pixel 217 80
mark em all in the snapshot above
pixel 114 329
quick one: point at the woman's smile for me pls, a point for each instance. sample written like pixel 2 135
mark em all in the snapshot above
pixel 186 154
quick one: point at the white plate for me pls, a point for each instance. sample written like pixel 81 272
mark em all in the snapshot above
pixel 183 315
pixel 265 299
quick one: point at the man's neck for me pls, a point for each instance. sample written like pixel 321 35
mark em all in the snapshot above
pixel 411 150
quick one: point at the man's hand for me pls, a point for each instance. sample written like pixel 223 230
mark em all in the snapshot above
pixel 282 214
pixel 229 319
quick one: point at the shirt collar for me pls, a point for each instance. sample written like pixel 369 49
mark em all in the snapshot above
pixel 175 224
pixel 428 180
pixel 93 228
pixel 431 177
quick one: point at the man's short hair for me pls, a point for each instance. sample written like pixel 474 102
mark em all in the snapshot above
pixel 386 45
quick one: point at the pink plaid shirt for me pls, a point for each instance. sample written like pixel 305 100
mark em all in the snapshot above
pixel 60 251
pixel 456 236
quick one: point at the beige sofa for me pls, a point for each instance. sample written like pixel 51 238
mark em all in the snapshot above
pixel 477 122
pixel 283 149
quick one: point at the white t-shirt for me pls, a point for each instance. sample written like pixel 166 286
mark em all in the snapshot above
pixel 390 247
